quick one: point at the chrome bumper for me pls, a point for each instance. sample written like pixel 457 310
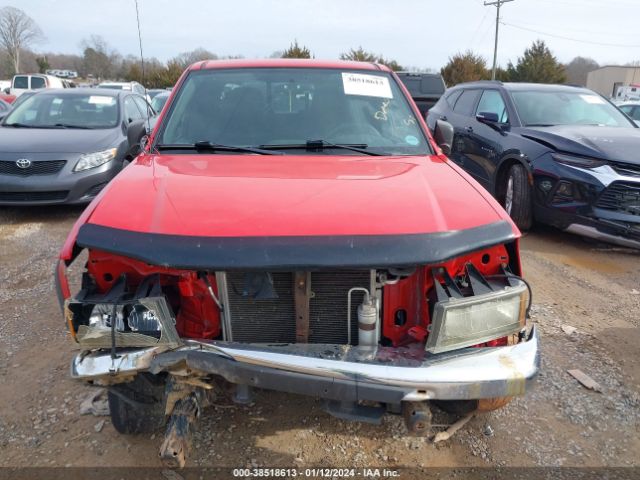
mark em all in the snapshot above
pixel 336 371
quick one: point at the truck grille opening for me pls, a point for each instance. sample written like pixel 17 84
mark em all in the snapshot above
pixel 273 320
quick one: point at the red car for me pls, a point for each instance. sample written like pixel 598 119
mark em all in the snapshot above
pixel 7 98
pixel 292 225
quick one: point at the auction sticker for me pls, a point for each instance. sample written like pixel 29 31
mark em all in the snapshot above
pixel 366 85
pixel 101 100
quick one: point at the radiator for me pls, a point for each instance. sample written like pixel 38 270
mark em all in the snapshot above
pixel 273 320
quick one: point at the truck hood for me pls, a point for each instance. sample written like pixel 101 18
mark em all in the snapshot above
pixel 292 195
pixel 45 140
pixel 607 143
pixel 293 213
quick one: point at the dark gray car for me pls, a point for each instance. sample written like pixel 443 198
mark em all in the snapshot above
pixel 64 146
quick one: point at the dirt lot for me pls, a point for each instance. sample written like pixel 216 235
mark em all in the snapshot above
pixel 591 287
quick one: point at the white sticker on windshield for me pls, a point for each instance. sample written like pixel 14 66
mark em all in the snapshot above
pixel 366 85
pixel 594 99
pixel 101 100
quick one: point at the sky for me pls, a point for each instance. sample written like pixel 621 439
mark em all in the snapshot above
pixel 417 33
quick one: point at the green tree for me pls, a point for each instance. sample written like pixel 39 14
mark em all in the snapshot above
pixel 361 55
pixel 43 64
pixel 537 65
pixel 296 51
pixel 465 67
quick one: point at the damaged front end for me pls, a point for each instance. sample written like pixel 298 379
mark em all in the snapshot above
pixel 393 337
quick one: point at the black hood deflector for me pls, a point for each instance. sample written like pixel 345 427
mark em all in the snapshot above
pixel 293 252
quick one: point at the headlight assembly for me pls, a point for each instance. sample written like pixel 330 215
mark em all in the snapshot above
pixel 459 322
pixel 93 160
pixel 575 161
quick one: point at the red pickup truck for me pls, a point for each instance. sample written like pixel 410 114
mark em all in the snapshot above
pixel 292 225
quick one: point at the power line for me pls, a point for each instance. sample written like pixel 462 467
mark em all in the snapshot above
pixel 590 42
pixel 497 4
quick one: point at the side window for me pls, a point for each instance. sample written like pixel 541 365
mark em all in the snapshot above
pixel 143 106
pixel 492 102
pixel 636 113
pixel 131 111
pixel 451 97
pixel 21 81
pixel 466 102
pixel 37 83
pixel 627 109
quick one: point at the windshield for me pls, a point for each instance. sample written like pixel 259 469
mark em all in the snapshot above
pixel 64 110
pixel 419 85
pixel 538 108
pixel 284 106
pixel 158 101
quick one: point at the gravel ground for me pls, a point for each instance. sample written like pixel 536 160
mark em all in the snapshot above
pixel 591 287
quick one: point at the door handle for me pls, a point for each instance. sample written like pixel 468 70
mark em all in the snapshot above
pixel 469 129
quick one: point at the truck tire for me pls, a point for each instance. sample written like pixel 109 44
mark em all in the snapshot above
pixel 517 197
pixel 138 406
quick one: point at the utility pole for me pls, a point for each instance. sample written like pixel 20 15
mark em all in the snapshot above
pixel 497 4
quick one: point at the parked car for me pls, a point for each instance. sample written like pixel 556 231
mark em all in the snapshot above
pixel 7 98
pixel 134 87
pixel 291 225
pixel 425 88
pixel 4 108
pixel 64 146
pixel 556 154
pixel 159 100
pixel 155 91
pixel 632 109
pixel 25 82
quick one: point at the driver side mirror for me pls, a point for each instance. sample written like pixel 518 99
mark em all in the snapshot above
pixel 136 136
pixel 443 135
pixel 488 117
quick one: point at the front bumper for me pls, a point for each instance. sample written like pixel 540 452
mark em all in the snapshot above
pixel 594 212
pixel 63 188
pixel 336 372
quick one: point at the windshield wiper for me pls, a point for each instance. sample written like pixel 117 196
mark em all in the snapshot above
pixel 20 125
pixel 319 145
pixel 68 125
pixel 541 125
pixel 215 147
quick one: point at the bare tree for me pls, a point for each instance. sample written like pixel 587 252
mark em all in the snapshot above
pixel 578 69
pixel 17 31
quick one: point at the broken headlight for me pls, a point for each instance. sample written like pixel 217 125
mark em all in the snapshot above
pixel 136 318
pixel 143 322
pixel 492 311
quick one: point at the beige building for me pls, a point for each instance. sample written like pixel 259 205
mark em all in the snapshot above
pixel 607 80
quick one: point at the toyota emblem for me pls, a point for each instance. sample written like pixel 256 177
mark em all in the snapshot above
pixel 23 163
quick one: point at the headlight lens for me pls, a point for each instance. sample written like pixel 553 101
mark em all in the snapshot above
pixel 575 161
pixel 463 322
pixel 139 319
pixel 92 160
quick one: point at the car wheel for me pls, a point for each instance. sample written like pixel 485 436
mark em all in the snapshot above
pixel 138 406
pixel 517 197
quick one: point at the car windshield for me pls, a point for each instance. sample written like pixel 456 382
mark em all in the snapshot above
pixel 419 85
pixel 158 101
pixel 540 108
pixel 266 107
pixel 65 111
